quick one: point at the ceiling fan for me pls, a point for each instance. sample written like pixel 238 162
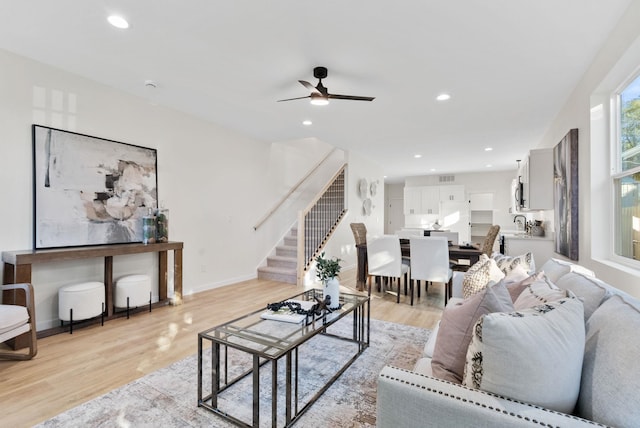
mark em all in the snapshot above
pixel 320 95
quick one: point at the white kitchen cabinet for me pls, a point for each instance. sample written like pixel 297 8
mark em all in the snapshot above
pixel 430 200
pixel 537 176
pixel 454 193
pixel 412 200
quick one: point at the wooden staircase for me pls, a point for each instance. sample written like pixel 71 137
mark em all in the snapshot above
pixel 283 265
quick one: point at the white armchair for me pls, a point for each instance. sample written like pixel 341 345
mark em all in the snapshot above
pixel 17 319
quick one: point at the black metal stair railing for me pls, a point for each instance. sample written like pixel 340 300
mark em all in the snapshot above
pixel 320 220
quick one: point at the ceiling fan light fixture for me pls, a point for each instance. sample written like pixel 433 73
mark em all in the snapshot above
pixel 319 100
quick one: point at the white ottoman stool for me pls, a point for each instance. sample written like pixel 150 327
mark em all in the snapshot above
pixel 133 291
pixel 80 302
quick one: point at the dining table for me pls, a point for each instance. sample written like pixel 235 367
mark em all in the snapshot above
pixel 470 252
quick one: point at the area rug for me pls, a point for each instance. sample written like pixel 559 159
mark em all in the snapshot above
pixel 168 397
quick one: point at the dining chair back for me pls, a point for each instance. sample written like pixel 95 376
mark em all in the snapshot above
pixel 429 261
pixel 359 233
pixel 384 258
pixel 490 239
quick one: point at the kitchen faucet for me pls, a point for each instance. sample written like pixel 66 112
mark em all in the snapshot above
pixel 523 223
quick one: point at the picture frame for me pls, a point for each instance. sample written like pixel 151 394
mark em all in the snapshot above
pixel 89 190
pixel 565 192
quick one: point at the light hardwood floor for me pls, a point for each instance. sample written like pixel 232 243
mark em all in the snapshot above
pixel 72 369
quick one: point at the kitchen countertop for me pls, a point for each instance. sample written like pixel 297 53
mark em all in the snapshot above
pixel 518 234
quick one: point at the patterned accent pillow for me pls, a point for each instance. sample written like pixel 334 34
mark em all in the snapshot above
pixel 509 263
pixel 534 355
pixel 516 288
pixel 476 278
pixel 539 292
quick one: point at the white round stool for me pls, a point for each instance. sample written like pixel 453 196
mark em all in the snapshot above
pixel 133 291
pixel 78 302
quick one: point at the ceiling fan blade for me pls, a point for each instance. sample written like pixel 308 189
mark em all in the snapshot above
pixel 310 87
pixel 297 98
pixel 350 97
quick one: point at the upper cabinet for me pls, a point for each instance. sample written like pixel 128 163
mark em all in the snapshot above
pixel 427 199
pixel 430 200
pixel 453 193
pixel 412 200
pixel 537 177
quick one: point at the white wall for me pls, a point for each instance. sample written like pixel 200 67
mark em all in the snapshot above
pixel 618 58
pixel 216 182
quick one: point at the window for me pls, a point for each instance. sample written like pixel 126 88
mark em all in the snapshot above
pixel 626 178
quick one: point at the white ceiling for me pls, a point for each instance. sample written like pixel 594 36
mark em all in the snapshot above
pixel 509 65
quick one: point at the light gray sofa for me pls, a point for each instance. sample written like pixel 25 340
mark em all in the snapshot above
pixel 608 396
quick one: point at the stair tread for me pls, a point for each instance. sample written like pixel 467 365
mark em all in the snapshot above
pixel 283 258
pixel 276 269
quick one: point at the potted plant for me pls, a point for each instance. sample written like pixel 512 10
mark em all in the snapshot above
pixel 327 272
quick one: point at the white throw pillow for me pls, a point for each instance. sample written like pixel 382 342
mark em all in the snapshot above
pixel 516 274
pixel 495 274
pixel 534 355
pixel 508 263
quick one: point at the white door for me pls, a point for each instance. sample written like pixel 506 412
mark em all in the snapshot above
pixel 395 220
pixel 455 217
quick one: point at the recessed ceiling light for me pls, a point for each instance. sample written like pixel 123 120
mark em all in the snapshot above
pixel 489 166
pixel 307 122
pixel 417 156
pixel 118 21
pixel 443 97
pixel 488 149
pixel 432 170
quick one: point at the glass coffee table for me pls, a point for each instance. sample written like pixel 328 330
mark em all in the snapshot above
pixel 258 341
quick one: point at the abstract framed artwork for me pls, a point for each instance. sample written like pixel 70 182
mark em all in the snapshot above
pixel 89 190
pixel 565 194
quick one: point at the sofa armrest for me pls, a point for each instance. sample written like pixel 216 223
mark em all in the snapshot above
pixel 407 399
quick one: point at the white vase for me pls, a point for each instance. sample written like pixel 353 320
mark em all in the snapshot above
pixel 332 289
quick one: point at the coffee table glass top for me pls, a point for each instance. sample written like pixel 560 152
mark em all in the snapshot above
pixel 271 339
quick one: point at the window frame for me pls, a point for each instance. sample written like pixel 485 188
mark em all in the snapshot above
pixel 616 172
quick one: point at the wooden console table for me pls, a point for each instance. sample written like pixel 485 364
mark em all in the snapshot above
pixel 17 265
